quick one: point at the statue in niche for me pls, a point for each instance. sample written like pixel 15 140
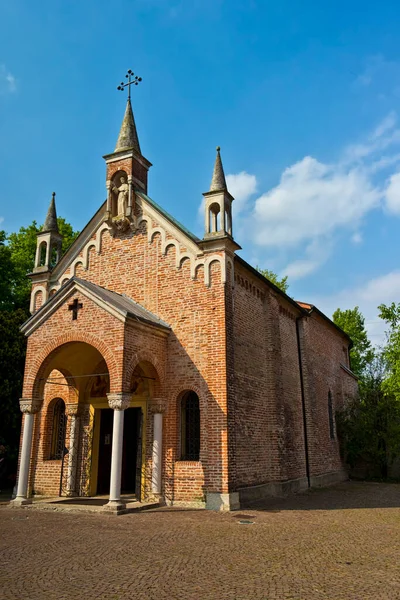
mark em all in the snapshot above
pixel 121 191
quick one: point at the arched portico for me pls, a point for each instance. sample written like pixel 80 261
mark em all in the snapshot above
pixel 84 371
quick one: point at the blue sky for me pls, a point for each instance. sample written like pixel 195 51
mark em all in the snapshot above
pixel 303 98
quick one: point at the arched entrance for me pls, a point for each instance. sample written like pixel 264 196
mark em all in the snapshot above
pixel 71 374
pixel 108 446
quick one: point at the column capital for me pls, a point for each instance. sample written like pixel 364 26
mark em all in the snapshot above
pixel 30 406
pixel 72 410
pixel 119 400
pixel 157 405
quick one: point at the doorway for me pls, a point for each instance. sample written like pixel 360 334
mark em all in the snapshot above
pixel 131 452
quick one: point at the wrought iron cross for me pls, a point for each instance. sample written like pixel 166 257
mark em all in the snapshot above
pixel 132 80
pixel 75 306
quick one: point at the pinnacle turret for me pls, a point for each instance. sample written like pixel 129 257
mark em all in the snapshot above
pixel 128 137
pixel 50 223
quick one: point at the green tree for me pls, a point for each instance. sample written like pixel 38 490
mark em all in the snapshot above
pixel 282 284
pixel 12 359
pixel 369 426
pixel 17 257
pixel 391 351
pixel 353 323
pixel 7 275
pixel 23 248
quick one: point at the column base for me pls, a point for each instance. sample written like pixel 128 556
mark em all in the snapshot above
pixel 71 494
pixel 222 502
pixel 20 502
pixel 115 507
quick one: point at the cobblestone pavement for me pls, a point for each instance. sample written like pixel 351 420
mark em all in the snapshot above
pixel 337 543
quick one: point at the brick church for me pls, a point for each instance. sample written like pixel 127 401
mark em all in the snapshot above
pixel 163 365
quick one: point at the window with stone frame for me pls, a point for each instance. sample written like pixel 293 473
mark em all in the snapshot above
pixel 190 427
pixel 58 430
pixel 330 416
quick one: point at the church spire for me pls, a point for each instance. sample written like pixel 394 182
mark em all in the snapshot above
pixel 49 241
pixel 50 223
pixel 128 137
pixel 218 204
pixel 218 182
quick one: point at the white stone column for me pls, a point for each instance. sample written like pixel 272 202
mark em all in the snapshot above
pixel 72 411
pixel 28 408
pixel 118 402
pixel 129 208
pixel 109 199
pixel 157 408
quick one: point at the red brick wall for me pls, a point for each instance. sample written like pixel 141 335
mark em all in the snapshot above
pixel 269 431
pixel 324 349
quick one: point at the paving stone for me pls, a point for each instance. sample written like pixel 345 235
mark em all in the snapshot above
pixel 337 543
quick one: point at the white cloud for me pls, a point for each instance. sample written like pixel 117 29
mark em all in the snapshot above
pixel 242 186
pixel 392 195
pixel 316 253
pixel 357 238
pixel 312 199
pixel 379 290
pixel 8 82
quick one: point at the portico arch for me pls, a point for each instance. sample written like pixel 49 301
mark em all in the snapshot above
pixel 50 357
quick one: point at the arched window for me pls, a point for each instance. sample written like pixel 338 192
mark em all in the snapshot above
pixel 330 416
pixel 42 254
pixel 190 427
pixel 214 218
pixel 58 430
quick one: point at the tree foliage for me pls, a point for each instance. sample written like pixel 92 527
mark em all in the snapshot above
pixel 22 246
pixel 282 284
pixel 391 351
pixel 369 427
pixel 17 258
pixel 353 323
pixel 7 275
pixel 12 359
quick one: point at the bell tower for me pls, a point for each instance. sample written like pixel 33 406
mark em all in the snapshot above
pixel 127 168
pixel 49 241
pixel 218 204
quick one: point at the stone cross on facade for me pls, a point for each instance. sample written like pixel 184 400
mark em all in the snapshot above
pixel 132 80
pixel 75 306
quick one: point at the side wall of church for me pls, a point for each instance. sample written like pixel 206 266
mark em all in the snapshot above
pixel 324 350
pixel 269 438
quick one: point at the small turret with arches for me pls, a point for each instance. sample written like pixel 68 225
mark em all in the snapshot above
pixel 49 241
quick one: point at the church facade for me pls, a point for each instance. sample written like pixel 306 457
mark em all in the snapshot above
pixel 165 366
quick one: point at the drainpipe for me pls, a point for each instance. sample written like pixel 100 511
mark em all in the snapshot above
pixel 303 402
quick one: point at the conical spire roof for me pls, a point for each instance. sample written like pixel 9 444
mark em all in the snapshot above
pixel 128 137
pixel 50 223
pixel 218 182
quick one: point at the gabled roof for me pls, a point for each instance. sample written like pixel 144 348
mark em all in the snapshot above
pixel 170 218
pixel 119 305
pixel 310 308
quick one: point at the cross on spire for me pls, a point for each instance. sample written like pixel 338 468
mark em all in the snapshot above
pixel 132 80
pixel 75 306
